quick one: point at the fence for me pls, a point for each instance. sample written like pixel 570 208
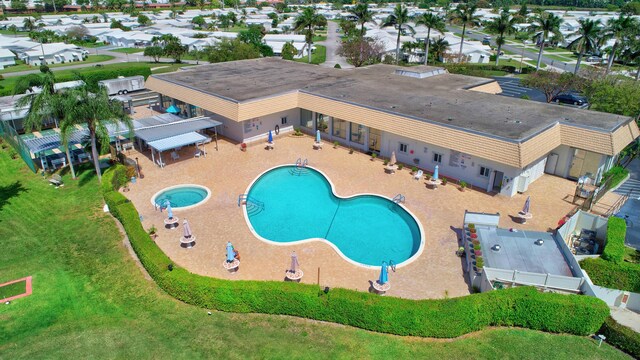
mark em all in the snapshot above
pixel 12 137
pixel 522 278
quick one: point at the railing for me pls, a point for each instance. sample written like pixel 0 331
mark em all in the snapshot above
pixel 244 199
pixel 618 204
pixel 301 167
pixel 398 199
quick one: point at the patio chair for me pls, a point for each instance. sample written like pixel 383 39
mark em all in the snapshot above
pixel 56 180
pixel 160 163
pixel 174 155
pixel 418 175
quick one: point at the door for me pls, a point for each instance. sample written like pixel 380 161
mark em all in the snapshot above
pixel 375 137
pixel 575 171
pixel 497 181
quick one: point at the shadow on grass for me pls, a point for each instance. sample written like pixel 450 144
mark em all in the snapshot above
pixel 10 191
pixel 85 173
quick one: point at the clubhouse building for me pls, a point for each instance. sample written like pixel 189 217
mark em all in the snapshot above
pixel 426 115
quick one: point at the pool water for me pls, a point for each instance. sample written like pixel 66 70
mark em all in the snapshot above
pixel 182 196
pixel 287 205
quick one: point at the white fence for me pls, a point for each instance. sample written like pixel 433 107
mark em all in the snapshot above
pixel 612 297
pixel 523 278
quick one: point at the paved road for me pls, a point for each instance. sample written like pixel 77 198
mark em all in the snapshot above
pixel 511 87
pixel 332 43
pixel 631 210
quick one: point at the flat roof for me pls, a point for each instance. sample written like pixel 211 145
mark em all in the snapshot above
pixel 518 251
pixel 443 99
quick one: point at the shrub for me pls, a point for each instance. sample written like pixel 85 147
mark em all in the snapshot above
pixel 385 162
pixel 444 181
pixel 400 166
pixel 614 176
pixel 479 262
pixel 624 276
pixel 130 171
pixel 444 318
pixel 614 249
pixel 337 66
pixel 463 184
pixel 374 155
pixel 621 337
pixel 414 169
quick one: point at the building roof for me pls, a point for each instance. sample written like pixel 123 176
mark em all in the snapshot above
pixel 176 141
pixel 163 131
pixel 443 99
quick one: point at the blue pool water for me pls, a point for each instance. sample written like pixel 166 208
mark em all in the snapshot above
pixel 182 196
pixel 286 206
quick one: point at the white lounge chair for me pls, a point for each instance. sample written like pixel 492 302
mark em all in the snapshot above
pixel 418 175
pixel 174 155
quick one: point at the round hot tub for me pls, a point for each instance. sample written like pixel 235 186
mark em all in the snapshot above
pixel 181 197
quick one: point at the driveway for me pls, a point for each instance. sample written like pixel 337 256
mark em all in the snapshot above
pixel 511 87
pixel 332 43
pixel 631 209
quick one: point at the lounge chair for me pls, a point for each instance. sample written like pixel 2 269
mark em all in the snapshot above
pixel 418 175
pixel 56 180
pixel 174 155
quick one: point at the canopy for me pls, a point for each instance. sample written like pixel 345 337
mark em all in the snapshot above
pixel 173 109
pixel 161 131
pixel 177 141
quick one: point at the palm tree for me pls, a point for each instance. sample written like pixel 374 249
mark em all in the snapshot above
pixel 29 24
pixel 632 53
pixel 439 47
pixel 587 40
pixel 399 20
pixel 45 104
pixel 85 105
pixel 504 24
pixel 13 29
pixel 617 28
pixel 431 21
pixel 543 25
pixel 309 20
pixel 464 15
pixel 361 11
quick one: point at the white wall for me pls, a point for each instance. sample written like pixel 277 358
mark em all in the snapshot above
pixel 8 61
pixel 229 128
pixel 258 128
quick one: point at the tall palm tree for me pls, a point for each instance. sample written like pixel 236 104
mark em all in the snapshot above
pixel 617 28
pixel 44 104
pixel 587 39
pixel 362 12
pixel 464 15
pixel 504 24
pixel 542 25
pixel 431 21
pixel 632 53
pixel 86 105
pixel 309 20
pixel 399 19
pixel 29 24
pixel 439 47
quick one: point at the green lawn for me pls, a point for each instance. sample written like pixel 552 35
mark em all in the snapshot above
pixel 14 289
pixel 21 66
pixel 563 58
pixel 236 28
pixel 90 300
pixel 127 50
pixel 317 57
pixel 90 45
pixel 161 68
pixel 11 33
pixel 318 38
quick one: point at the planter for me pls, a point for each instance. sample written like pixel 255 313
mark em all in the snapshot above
pixel 478 252
pixel 473 230
pixel 475 242
pixel 243 147
pixel 474 236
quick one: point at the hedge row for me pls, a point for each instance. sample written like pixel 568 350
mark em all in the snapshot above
pixel 523 307
pixel 616 233
pixel 624 276
pixel 92 76
pixel 621 337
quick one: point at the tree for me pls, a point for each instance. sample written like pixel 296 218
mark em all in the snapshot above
pixel 29 23
pixel 253 36
pixel 154 52
pixel 77 33
pixel 617 28
pixel 431 21
pixel 543 25
pixel 587 39
pixel 13 29
pixel 223 21
pixel 230 50
pixel 144 20
pixel 92 106
pixel 364 15
pixel 361 51
pixel 289 51
pixel 504 24
pixel 439 46
pixel 464 15
pixel 399 19
pixel 308 20
pixel 197 55
pixel 19 5
pixel 552 83
pixel 631 8
pixel 198 21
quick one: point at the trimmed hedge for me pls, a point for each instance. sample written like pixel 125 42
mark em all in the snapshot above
pixel 616 233
pixel 524 306
pixel 614 176
pixel 621 337
pixel 624 276
pixel 92 76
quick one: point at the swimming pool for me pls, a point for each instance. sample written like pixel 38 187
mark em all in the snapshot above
pixel 286 205
pixel 182 196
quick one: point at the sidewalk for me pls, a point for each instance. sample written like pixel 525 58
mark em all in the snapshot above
pixel 627 318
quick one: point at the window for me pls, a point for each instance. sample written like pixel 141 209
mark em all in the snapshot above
pixel 306 119
pixel 321 123
pixel 339 128
pixel 403 147
pixel 425 150
pixel 357 133
pixel 437 158
pixel 283 120
pixel 485 171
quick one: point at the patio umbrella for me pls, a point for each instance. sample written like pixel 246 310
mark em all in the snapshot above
pixel 318 136
pixel 527 206
pixel 393 158
pixel 270 137
pixel 230 253
pixel 384 276
pixel 173 109
pixel 169 211
pixel 187 229
pixel 294 263
pixel 435 174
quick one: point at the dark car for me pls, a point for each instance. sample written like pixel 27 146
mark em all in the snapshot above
pixel 569 98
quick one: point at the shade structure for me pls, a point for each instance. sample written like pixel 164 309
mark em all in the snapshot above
pixel 384 275
pixel 177 141
pixel 435 174
pixel 230 253
pixel 173 109
pixel 294 263
pixel 393 158
pixel 527 206
pixel 186 228
pixel 270 139
pixel 169 210
pixel 318 139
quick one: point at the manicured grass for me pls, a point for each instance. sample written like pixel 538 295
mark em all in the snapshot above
pixel 557 50
pixel 14 289
pixel 318 38
pixel 236 28
pixel 563 58
pixel 127 50
pixel 90 300
pixel 91 45
pixel 21 66
pixel 161 68
pixel 317 57
pixel 11 33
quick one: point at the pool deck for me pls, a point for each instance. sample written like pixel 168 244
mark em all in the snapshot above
pixel 437 273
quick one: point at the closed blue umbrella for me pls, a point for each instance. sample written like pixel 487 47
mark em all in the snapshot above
pixel 270 137
pixel 230 253
pixel 173 109
pixel 384 275
pixel 318 136
pixel 435 174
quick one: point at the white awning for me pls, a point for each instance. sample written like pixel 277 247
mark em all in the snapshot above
pixel 177 141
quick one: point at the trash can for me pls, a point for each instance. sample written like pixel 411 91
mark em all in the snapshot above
pixel 133 179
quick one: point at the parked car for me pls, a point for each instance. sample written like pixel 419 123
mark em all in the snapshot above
pixel 486 42
pixel 569 98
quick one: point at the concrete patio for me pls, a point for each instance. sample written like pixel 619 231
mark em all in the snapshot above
pixel 437 273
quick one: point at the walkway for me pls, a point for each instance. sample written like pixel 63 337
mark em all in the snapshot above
pixel 631 209
pixel 627 318
pixel 332 43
